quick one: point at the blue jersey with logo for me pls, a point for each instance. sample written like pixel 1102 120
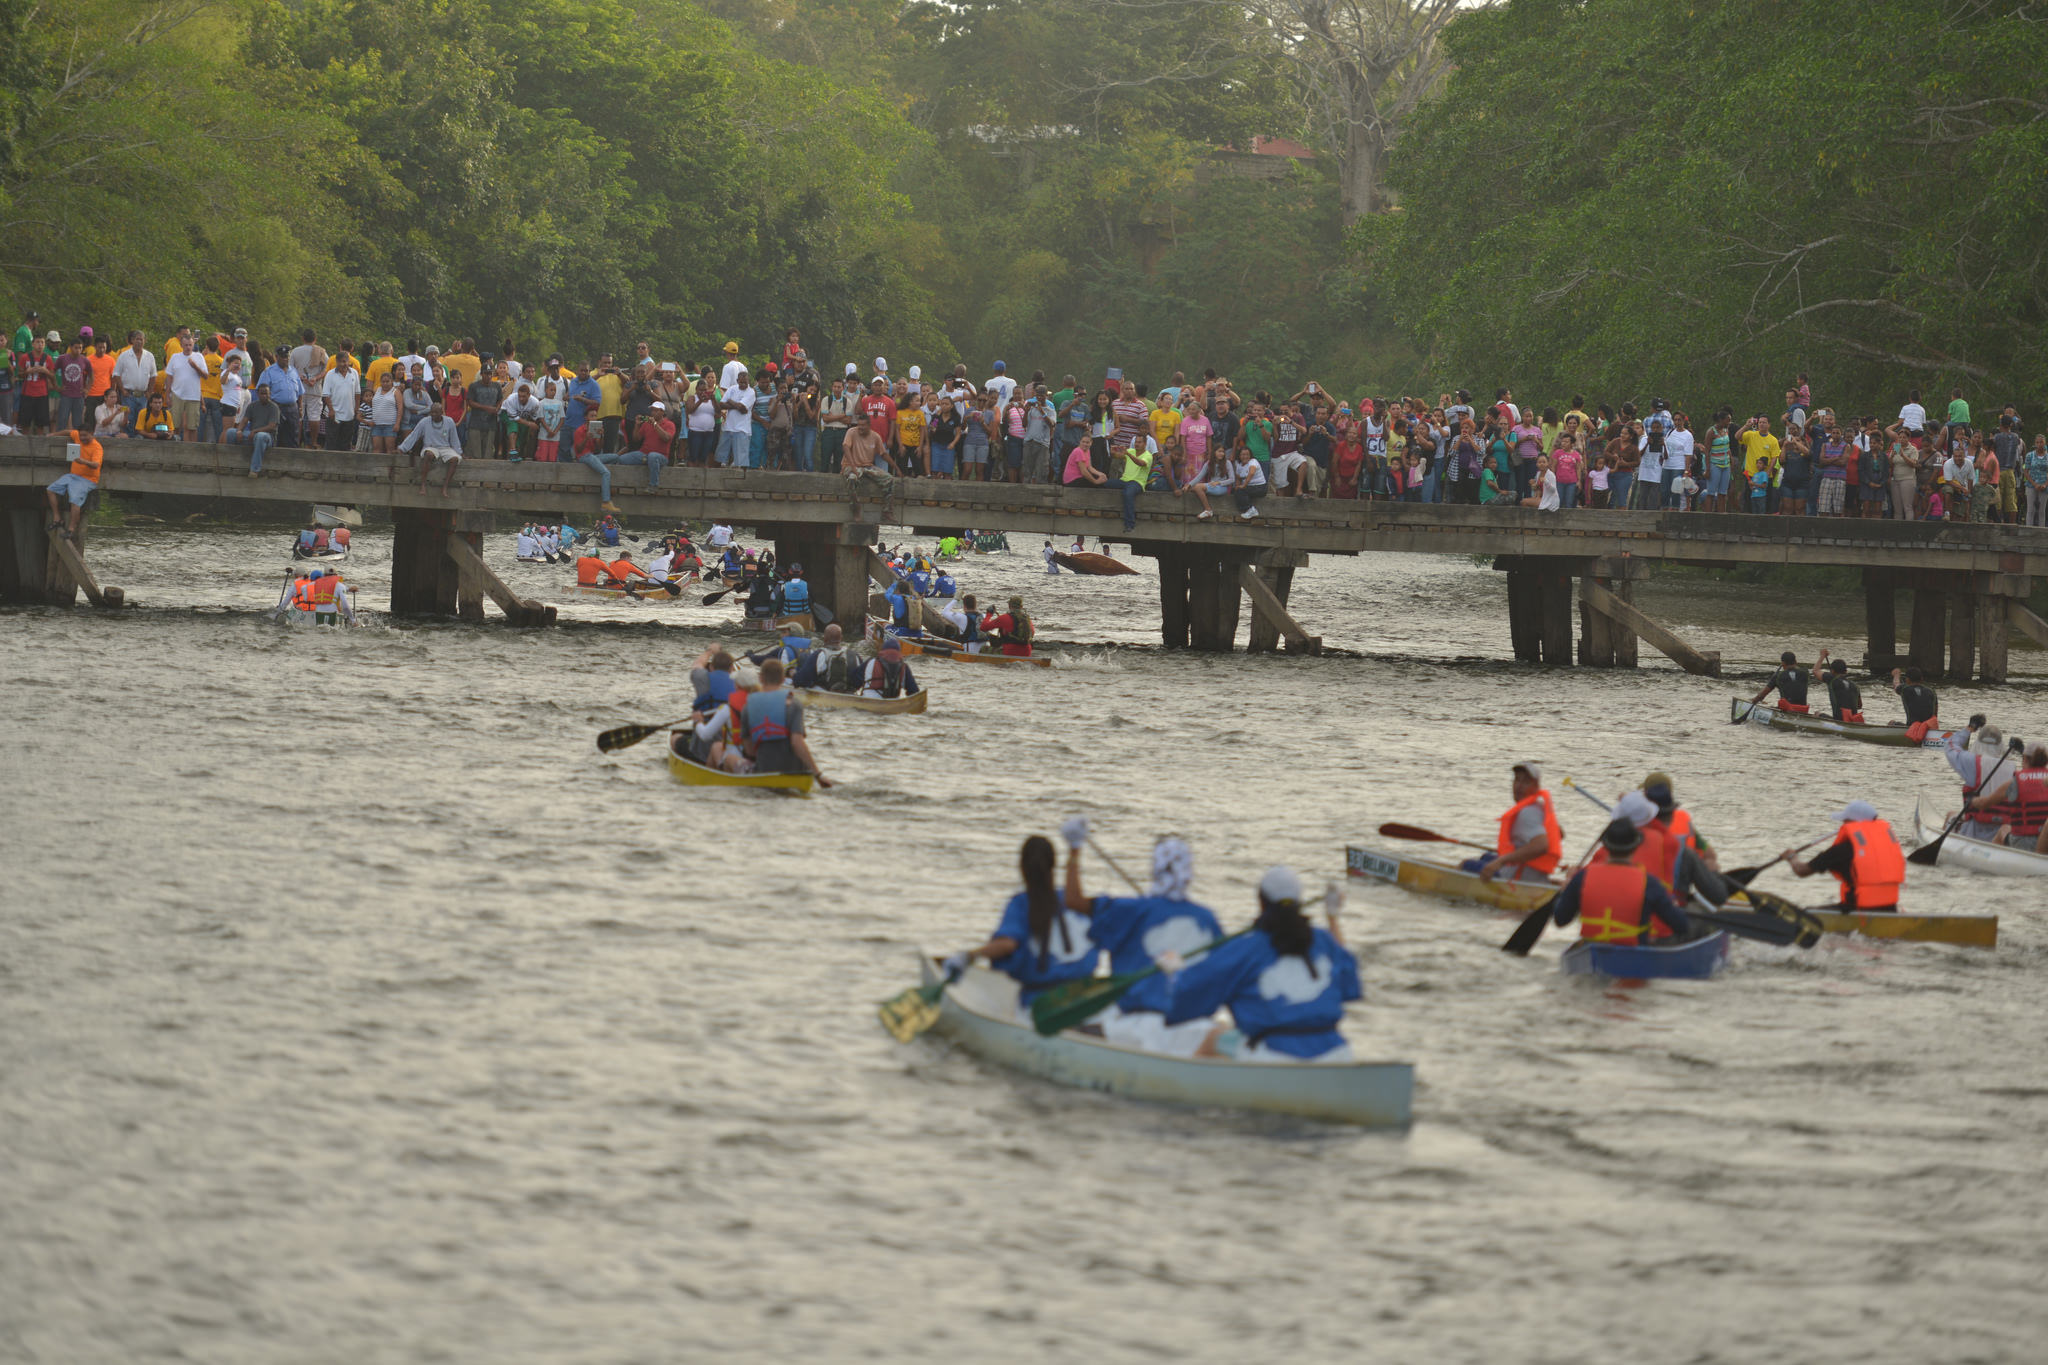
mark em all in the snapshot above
pixel 1289 1005
pixel 1135 930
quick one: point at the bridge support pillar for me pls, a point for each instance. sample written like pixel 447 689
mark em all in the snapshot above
pixel 1962 636
pixel 1173 597
pixel 1540 607
pixel 835 560
pixel 24 545
pixel 1215 599
pixel 1928 647
pixel 424 581
pixel 469 570
pixel 1880 622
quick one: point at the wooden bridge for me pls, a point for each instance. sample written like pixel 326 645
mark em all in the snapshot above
pixel 1968 583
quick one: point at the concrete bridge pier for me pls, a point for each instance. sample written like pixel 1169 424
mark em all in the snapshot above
pixel 1202 590
pixel 36 566
pixel 836 565
pixel 437 569
pixel 1961 625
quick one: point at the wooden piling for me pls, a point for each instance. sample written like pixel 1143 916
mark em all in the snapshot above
pixel 1962 636
pixel 1880 621
pixel 424 579
pixel 1928 647
pixel 1173 597
pixel 1706 662
pixel 1525 615
pixel 1992 620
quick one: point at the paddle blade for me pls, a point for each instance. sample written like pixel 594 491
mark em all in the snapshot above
pixel 1529 930
pixel 1416 832
pixel 909 1013
pixel 625 737
pixel 1077 1002
pixel 1807 931
pixel 1927 853
pixel 711 599
pixel 1754 925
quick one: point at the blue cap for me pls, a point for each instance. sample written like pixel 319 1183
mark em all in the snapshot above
pixel 1000 366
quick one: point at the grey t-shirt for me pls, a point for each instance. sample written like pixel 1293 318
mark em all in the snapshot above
pixel 1528 825
pixel 262 413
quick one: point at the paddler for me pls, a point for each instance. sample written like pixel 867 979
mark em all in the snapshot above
pixel 906 612
pixel 306 538
pixel 711 679
pixel 1979 757
pixel 1530 841
pixel 340 537
pixel 1864 858
pixel 969 625
pixel 1922 706
pixel 793 598
pixel 1136 931
pixel 773 724
pixel 1845 699
pixel 331 604
pixel 1012 630
pixel 1657 853
pixel 590 570
pixel 622 571
pixel 887 676
pixel 2022 812
pixel 608 530
pixel 831 666
pixel 1052 565
pixel 716 728
pixel 1040 942
pixel 944 585
pixel 1285 983
pixel 1615 898
pixel 1790 682
pixel 526 545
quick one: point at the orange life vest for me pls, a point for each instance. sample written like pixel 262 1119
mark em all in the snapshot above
pixel 1678 833
pixel 1879 869
pixel 340 536
pixel 324 592
pixel 1658 852
pixel 302 593
pixel 90 456
pixel 1546 862
pixel 1611 898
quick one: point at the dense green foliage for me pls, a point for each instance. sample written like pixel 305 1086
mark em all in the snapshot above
pixel 1703 199
pixel 1026 181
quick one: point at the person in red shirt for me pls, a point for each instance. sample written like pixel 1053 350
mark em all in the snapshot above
pixel 878 410
pixel 656 434
pixel 1012 629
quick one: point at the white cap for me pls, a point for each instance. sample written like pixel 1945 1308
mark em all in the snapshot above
pixel 916 373
pixel 1280 883
pixel 851 369
pixel 1855 810
pixel 660 407
pixel 1636 808
pixel 881 365
pixel 747 676
pixel 1535 772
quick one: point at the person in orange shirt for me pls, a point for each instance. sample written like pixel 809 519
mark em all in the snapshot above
pixel 102 358
pixel 77 484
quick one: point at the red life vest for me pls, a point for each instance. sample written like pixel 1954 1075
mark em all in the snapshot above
pixel 1880 866
pixel 2025 808
pixel 1611 904
pixel 1546 862
pixel 1659 852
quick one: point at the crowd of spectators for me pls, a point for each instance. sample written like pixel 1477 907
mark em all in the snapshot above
pixel 1201 438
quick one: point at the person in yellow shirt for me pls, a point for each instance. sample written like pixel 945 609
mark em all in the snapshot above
pixel 212 419
pixel 462 362
pixel 1760 449
pixel 611 399
pixel 1165 421
pixel 383 361
pixel 910 433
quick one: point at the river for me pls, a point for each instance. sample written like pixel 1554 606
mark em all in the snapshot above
pixel 354 1008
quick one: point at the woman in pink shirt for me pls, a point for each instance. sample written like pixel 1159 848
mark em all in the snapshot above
pixel 1569 464
pixel 1081 470
pixel 1195 430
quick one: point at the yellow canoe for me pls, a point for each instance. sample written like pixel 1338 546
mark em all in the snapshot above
pixel 650 592
pixel 1452 883
pixel 1441 879
pixel 939 649
pixel 912 705
pixel 697 775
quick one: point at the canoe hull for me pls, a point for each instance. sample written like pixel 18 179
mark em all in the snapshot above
pixel 1441 879
pixel 912 705
pixel 1088 562
pixel 979 1011
pixel 1978 855
pixel 1696 960
pixel 1891 736
pixel 650 593
pixel 1967 931
pixel 697 775
pixel 936 649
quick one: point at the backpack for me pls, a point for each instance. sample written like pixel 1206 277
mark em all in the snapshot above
pixel 837 675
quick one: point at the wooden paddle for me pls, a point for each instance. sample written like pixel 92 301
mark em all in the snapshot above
pixel 712 598
pixel 1530 929
pixel 626 736
pixel 1743 876
pixel 1075 1002
pixel 1427 836
pixel 1925 855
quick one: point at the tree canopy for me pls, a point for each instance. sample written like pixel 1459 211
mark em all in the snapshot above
pixel 1635 196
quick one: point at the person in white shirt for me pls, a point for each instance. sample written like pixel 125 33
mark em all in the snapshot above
pixel 526 545
pixel 339 392
pixel 1544 497
pixel 183 376
pixel 736 440
pixel 735 369
pixel 134 369
pixel 1913 417
pixel 234 389
pixel 439 441
pixel 719 536
pixel 1001 385
pixel 1678 450
pixel 659 566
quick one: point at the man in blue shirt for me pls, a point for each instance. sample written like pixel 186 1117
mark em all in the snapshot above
pixel 584 395
pixel 285 391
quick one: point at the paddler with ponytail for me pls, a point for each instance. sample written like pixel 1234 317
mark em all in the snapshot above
pixel 1530 842
pixel 1012 630
pixel 1615 898
pixel 1285 982
pixel 1040 942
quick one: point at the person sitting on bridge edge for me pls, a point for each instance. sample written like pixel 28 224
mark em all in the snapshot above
pixel 77 483
pixel 439 440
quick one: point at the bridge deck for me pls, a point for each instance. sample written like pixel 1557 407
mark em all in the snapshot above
pixel 1313 525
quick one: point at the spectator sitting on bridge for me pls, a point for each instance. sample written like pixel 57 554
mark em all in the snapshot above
pixel 439 440
pixel 859 455
pixel 154 422
pixel 77 483
pixel 110 419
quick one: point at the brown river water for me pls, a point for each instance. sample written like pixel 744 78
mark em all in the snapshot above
pixel 353 1008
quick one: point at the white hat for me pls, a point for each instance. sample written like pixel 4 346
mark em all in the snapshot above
pixel 851 369
pixel 1535 771
pixel 1280 883
pixel 747 676
pixel 660 407
pixel 916 373
pixel 881 365
pixel 1636 808
pixel 1855 810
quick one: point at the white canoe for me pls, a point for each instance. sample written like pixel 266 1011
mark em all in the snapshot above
pixel 1978 855
pixel 821 700
pixel 979 1011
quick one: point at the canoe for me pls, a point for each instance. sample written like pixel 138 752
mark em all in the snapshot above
pixel 650 593
pixel 697 775
pixel 1439 879
pixel 1694 960
pixel 1978 855
pixel 784 625
pixel 1443 879
pixel 1088 562
pixel 1894 736
pixel 936 649
pixel 1966 931
pixel 331 517
pixel 979 1011
pixel 316 556
pixel 912 705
